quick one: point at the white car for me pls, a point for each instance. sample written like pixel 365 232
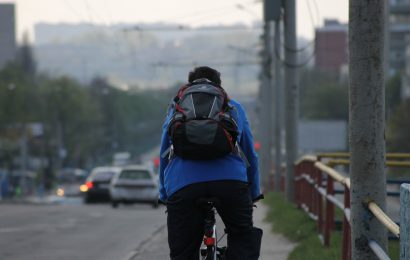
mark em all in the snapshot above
pixel 134 184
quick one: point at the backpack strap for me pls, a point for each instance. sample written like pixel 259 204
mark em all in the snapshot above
pixel 168 152
pixel 241 154
pixel 206 81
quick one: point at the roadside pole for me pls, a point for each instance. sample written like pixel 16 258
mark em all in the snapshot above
pixel 367 123
pixel 292 96
pixel 278 107
pixel 404 221
pixel 271 11
pixel 266 113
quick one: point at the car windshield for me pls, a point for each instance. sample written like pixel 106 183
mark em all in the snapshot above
pixel 103 175
pixel 135 175
pixel 71 177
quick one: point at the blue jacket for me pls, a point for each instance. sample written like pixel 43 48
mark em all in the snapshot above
pixel 178 173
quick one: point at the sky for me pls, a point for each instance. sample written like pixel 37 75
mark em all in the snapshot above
pixel 185 12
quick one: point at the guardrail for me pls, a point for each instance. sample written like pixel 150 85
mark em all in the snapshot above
pixel 315 194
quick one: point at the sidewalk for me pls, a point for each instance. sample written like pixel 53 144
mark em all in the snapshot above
pixel 45 200
pixel 274 246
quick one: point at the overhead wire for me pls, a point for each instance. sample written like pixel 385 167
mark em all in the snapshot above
pixel 208 16
pixel 196 13
pixel 215 63
pixel 201 16
pixel 94 14
pixel 242 7
pixel 307 46
pixel 73 10
pixel 87 6
pixel 310 43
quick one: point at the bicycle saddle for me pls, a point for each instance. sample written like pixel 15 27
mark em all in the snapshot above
pixel 208 202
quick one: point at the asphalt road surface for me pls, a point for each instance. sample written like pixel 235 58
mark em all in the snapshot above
pixel 76 231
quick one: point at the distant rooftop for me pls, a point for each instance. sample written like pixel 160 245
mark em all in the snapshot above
pixel 332 25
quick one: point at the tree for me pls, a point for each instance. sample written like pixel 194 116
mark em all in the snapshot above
pixel 323 97
pixel 72 119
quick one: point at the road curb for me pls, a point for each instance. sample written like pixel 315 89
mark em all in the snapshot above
pixel 136 254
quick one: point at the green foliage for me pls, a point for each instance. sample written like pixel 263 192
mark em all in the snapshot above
pixel 394 249
pixel 312 249
pixel 287 219
pixel 322 96
pixel 90 122
pixel 298 227
pixel 328 101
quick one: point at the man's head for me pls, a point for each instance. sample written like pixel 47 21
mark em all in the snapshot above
pixel 205 72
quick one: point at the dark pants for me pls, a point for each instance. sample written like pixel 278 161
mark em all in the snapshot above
pixel 186 220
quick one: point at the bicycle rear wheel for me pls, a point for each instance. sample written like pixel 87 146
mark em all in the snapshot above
pixel 209 253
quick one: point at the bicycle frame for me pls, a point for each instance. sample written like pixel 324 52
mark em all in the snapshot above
pixel 211 251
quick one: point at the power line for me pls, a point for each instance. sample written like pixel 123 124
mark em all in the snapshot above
pixel 188 28
pixel 108 12
pixel 73 10
pixel 312 42
pixel 92 13
pixel 250 51
pixel 317 11
pixel 195 63
pixel 241 7
pixel 87 6
pixel 311 15
pixel 196 13
pixel 289 65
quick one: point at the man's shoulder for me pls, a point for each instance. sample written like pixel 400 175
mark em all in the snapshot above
pixel 237 106
pixel 235 103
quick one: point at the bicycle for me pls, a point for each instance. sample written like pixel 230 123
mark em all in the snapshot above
pixel 210 250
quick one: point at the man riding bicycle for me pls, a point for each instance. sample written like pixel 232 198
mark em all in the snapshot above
pixel 207 152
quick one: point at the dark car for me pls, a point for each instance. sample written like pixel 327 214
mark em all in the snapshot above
pixel 98 183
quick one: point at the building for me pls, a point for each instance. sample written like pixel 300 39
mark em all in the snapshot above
pixel 331 45
pixel 399 56
pixel 7 33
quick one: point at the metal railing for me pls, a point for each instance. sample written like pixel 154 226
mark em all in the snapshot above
pixel 315 194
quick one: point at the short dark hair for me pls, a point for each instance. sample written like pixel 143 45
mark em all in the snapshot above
pixel 205 72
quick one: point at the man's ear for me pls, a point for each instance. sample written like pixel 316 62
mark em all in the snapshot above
pixel 190 76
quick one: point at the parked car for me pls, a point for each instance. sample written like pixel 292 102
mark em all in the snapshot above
pixel 134 184
pixel 96 187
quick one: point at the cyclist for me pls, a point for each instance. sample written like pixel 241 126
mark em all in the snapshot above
pixel 232 179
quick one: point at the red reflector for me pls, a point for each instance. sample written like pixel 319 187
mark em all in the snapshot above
pixel 209 241
pixel 89 184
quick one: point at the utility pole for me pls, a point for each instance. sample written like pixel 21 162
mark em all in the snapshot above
pixel 271 12
pixel 367 123
pixel 23 160
pixel 278 107
pixel 292 95
pixel 266 124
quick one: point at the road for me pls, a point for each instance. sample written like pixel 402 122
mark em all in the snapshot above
pixel 77 231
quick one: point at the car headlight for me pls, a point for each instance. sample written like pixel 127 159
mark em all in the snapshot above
pixel 60 192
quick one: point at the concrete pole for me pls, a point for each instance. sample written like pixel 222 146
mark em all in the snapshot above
pixel 278 108
pixel 387 40
pixel 266 120
pixel 405 221
pixel 367 123
pixel 23 161
pixel 292 96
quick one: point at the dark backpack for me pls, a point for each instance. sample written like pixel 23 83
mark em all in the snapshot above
pixel 202 127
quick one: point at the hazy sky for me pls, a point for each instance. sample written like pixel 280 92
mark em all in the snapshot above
pixel 187 12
